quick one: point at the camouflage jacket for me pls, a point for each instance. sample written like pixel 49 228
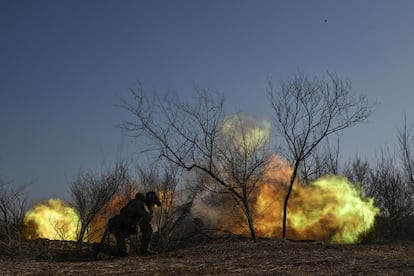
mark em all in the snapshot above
pixel 134 212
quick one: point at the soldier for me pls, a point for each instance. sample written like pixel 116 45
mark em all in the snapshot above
pixel 137 211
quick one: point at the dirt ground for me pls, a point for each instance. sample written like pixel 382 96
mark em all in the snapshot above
pixel 269 257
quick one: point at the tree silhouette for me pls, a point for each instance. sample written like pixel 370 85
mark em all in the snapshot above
pixel 193 138
pixel 306 112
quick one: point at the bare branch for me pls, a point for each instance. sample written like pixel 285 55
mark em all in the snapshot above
pixel 194 137
pixel 90 193
pixel 307 111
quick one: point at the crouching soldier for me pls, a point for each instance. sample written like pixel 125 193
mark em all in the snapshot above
pixel 137 211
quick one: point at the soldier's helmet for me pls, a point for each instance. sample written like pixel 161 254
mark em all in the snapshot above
pixel 140 196
pixel 152 199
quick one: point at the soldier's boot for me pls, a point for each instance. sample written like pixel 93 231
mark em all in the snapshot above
pixel 147 252
pixel 123 250
pixel 145 241
pixel 122 245
pixel 96 249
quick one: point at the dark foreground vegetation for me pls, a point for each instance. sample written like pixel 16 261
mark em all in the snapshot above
pixel 200 150
pixel 224 257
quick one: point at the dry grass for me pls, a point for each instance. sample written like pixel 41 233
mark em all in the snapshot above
pixel 267 257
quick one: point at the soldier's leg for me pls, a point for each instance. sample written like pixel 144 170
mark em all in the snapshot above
pixel 146 233
pixel 104 245
pixel 122 243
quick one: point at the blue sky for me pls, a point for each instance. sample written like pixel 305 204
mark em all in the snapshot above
pixel 65 65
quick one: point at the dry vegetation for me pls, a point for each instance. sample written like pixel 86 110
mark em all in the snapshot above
pixel 189 139
pixel 269 257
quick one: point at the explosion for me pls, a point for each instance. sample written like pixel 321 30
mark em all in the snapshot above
pixel 330 208
pixel 245 132
pixel 54 220
pixel 57 220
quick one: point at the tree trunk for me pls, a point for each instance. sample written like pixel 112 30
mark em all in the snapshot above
pixel 251 225
pixel 292 181
pixel 248 214
pixel 81 234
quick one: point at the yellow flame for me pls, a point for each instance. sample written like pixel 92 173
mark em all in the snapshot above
pixel 53 220
pixel 56 220
pixel 329 209
pixel 332 206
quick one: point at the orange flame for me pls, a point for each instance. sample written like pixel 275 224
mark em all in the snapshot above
pixel 328 209
pixel 57 220
pixel 54 220
pixel 110 209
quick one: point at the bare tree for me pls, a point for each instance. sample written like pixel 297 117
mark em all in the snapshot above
pixel 192 137
pixel 324 160
pixel 12 204
pixel 164 180
pixel 90 193
pixel 389 186
pixel 243 157
pixel 358 171
pixel 306 112
pixel 12 208
pixel 406 147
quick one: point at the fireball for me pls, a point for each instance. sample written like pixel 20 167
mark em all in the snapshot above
pixel 330 209
pixel 57 220
pixel 54 220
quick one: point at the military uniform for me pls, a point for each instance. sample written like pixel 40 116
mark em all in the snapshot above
pixel 138 211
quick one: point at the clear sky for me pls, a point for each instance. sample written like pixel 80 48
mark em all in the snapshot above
pixel 65 65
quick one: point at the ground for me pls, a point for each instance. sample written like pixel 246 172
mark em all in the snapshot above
pixel 267 257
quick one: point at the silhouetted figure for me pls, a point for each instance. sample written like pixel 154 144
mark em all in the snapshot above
pixel 137 212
